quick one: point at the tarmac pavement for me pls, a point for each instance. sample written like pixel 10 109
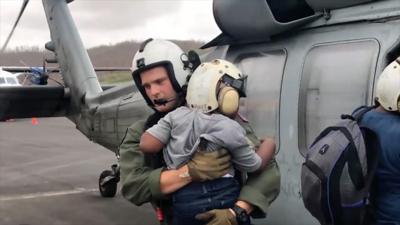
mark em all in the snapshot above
pixel 49 174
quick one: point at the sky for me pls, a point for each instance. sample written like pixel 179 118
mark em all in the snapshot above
pixel 103 22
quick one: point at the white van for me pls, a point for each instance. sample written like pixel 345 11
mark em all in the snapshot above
pixel 8 79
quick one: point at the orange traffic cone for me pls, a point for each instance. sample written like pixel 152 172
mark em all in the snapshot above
pixel 35 121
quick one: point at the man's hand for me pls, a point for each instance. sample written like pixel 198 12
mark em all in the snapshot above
pixel 209 165
pixel 218 217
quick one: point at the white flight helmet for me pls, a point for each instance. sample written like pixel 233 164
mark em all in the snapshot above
pixel 216 85
pixel 388 87
pixel 153 53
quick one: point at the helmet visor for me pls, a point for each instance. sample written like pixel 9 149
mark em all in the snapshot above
pixel 239 84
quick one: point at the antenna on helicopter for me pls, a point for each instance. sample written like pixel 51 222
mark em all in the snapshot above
pixel 24 4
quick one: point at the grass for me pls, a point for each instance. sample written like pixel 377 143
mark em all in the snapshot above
pixel 114 77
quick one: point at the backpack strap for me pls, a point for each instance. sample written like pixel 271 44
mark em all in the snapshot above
pixel 370 138
pixel 360 111
pixel 354 164
pixel 373 148
pixel 372 145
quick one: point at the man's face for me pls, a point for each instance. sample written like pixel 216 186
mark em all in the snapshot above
pixel 158 86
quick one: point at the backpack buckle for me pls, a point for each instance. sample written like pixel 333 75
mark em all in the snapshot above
pixel 347 116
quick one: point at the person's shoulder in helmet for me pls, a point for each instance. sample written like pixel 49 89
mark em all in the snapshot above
pixel 385 122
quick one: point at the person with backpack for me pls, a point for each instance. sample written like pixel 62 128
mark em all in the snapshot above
pixel 351 175
pixel 385 122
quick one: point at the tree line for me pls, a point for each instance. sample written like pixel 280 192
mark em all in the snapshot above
pixel 117 55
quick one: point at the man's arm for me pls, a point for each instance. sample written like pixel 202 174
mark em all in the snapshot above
pixel 140 182
pixel 170 180
pixel 261 188
pixel 150 144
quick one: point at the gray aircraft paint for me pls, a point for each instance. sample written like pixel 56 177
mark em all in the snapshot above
pixel 299 81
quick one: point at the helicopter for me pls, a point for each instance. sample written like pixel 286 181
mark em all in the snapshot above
pixel 307 61
pixel 8 79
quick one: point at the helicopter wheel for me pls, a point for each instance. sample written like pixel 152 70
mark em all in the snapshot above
pixel 107 184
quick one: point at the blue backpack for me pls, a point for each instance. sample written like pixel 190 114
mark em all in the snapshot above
pixel 337 174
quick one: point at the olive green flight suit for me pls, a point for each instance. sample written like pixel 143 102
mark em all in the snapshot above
pixel 141 180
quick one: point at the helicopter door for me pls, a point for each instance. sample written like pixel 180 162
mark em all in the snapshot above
pixel 336 79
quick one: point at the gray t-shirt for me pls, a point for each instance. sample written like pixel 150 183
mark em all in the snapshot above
pixel 181 130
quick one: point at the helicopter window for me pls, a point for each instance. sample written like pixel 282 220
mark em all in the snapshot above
pixel 2 81
pixel 261 106
pixel 11 80
pixel 336 78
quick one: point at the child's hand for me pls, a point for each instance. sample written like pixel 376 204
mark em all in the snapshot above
pixel 267 138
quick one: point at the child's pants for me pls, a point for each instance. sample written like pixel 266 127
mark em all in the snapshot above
pixel 199 197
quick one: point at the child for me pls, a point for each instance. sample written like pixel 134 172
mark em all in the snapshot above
pixel 203 125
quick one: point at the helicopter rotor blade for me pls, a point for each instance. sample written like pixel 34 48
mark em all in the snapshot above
pixel 24 4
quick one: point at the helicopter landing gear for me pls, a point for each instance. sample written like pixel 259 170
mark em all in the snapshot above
pixel 108 181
